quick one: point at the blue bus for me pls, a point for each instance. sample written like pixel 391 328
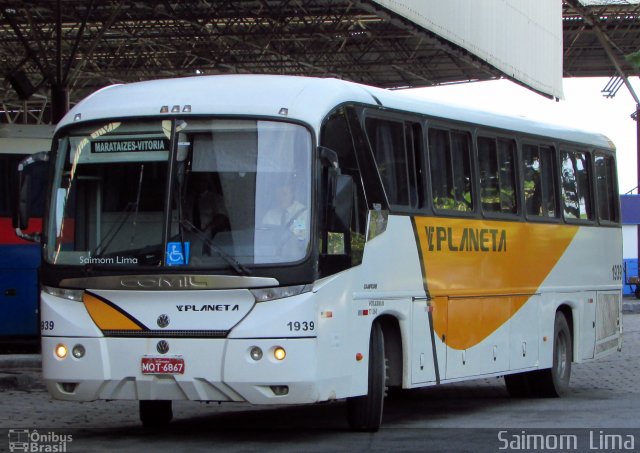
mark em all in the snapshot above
pixel 19 259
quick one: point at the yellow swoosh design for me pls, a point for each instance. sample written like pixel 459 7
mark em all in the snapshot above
pixel 480 272
pixel 107 317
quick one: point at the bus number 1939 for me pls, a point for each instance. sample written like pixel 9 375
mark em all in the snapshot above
pixel 616 272
pixel 304 326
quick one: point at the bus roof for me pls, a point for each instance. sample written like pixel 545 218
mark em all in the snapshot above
pixel 305 99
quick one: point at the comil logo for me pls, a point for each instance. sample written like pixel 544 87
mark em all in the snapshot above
pixel 34 441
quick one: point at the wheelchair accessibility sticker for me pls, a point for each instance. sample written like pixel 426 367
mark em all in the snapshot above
pixel 178 253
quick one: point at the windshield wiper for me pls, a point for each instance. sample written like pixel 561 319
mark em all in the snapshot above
pixel 132 206
pixel 135 218
pixel 231 261
pixel 114 230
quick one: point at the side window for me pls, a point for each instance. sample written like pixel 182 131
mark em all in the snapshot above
pixel 606 188
pixel 4 186
pixel 336 135
pixel 539 181
pixel 9 182
pixel 496 161
pixel 395 145
pixel 450 164
pixel 413 138
pixel 576 186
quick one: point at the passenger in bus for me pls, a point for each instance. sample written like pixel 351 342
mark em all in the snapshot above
pixel 209 213
pixel 533 194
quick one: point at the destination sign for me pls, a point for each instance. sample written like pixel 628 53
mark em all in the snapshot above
pixel 130 145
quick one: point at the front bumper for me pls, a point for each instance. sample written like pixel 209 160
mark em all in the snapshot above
pixel 215 370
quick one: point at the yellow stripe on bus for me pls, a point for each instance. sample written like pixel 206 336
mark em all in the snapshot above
pixel 480 272
pixel 107 317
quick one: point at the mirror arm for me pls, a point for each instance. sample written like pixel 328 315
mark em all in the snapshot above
pixel 328 157
pixel 32 237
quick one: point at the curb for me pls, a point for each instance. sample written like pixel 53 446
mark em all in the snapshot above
pixel 20 362
pixel 630 307
pixel 20 371
pixel 19 381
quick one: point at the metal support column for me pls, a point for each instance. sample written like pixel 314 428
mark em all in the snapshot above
pixel 59 92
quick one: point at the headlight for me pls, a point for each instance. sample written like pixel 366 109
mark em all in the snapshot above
pixel 255 353
pixel 264 295
pixel 78 351
pixel 279 353
pixel 70 294
pixel 61 351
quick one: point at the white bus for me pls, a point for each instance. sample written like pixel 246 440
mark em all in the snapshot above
pixel 288 240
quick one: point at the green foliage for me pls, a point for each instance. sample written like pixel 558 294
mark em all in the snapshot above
pixel 633 59
pixel 453 204
pixel 357 248
pixel 336 246
pixel 335 243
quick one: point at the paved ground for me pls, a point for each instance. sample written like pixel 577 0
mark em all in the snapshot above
pixel 630 305
pixel 605 395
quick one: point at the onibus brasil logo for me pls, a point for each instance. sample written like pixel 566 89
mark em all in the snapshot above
pixel 30 440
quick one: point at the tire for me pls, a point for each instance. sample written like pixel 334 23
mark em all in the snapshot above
pixel 155 414
pixel 364 413
pixel 554 382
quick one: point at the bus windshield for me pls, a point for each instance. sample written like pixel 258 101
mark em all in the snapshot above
pixel 239 195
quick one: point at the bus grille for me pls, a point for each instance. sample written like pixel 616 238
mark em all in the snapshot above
pixel 167 333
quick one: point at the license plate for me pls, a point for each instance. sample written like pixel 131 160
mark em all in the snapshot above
pixel 162 365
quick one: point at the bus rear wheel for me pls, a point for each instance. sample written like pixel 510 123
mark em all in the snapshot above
pixel 554 382
pixel 364 413
pixel 155 413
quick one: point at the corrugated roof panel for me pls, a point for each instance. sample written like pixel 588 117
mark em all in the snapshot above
pixel 522 38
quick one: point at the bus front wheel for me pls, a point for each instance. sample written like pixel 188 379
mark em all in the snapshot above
pixel 364 413
pixel 155 414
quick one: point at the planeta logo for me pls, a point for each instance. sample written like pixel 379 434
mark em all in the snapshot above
pixel 217 307
pixel 469 240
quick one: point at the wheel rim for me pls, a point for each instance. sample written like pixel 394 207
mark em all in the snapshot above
pixel 561 355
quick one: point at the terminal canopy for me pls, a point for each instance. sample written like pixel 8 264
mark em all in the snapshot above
pixel 65 49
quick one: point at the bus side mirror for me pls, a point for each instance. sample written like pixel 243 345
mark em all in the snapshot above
pixel 341 203
pixel 328 157
pixel 340 192
pixel 32 172
pixel 23 216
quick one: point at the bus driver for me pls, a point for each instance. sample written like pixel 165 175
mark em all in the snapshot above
pixel 289 213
